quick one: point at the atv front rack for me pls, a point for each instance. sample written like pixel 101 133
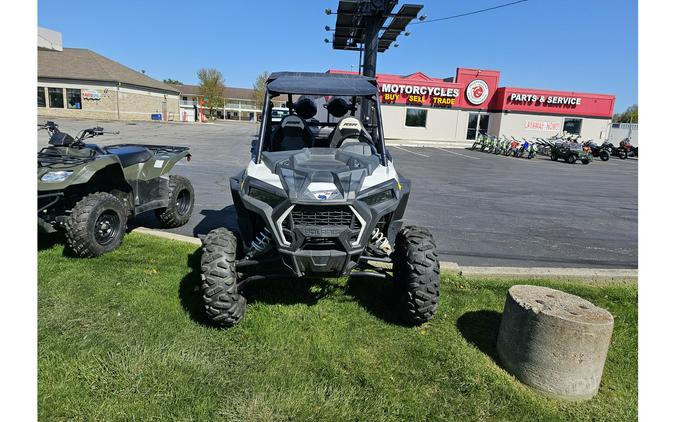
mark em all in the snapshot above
pixel 50 156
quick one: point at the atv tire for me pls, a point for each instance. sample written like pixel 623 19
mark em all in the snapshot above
pixel 96 225
pixel 181 203
pixel 604 155
pixel 223 304
pixel 416 274
pixel 571 159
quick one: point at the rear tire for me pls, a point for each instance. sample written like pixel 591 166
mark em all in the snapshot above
pixel 223 304
pixel 554 157
pixel 623 154
pixel 96 225
pixel 416 274
pixel 571 159
pixel 181 203
pixel 585 161
pixel 604 155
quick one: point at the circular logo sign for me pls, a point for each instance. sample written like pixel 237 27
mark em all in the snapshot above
pixel 477 92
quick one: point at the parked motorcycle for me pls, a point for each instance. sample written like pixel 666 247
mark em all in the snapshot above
pixel 630 149
pixel 598 151
pixel 615 151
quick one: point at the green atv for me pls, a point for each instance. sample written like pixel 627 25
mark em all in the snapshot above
pixel 89 192
pixel 570 152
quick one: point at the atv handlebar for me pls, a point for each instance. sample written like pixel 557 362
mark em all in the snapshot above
pixel 91 132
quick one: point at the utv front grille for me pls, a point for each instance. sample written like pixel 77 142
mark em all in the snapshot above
pixel 304 215
pixel 321 216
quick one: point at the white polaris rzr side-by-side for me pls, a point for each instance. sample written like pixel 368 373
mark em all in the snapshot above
pixel 320 197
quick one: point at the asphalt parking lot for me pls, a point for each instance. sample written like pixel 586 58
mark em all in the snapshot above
pixel 484 210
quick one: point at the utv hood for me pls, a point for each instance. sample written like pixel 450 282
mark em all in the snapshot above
pixel 325 174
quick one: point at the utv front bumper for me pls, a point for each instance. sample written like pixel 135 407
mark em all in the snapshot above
pixel 325 238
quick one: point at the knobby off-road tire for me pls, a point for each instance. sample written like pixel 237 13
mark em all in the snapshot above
pixel 181 203
pixel 223 304
pixel 96 225
pixel 416 274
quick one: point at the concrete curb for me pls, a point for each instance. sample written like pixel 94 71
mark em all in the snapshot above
pixel 167 235
pixel 427 144
pixel 590 274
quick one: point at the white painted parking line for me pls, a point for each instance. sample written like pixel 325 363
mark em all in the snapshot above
pixel 412 152
pixel 457 153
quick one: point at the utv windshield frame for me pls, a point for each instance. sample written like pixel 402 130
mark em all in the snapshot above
pixel 321 84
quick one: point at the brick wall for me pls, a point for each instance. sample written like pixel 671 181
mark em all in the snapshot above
pixel 134 104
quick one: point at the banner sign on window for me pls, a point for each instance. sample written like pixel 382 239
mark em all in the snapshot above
pixel 88 94
pixel 541 125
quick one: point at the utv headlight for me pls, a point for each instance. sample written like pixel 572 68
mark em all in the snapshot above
pixel 267 197
pixel 56 176
pixel 376 198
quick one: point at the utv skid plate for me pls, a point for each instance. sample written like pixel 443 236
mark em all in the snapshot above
pixel 265 269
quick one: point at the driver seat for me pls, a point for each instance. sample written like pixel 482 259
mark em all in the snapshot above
pixel 292 134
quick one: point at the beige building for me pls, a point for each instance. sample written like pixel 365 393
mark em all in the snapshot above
pixel 76 82
pixel 239 104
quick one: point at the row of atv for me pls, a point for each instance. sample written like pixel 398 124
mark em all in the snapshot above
pixel 319 197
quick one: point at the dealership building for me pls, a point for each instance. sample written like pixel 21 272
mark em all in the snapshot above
pixel 417 107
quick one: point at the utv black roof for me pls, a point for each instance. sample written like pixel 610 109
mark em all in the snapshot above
pixel 311 83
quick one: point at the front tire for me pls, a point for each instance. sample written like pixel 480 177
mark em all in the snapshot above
pixel 416 274
pixel 96 225
pixel 571 159
pixel 181 203
pixel 223 304
pixel 604 155
pixel 554 156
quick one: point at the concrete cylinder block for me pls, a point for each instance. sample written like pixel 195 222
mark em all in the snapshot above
pixel 554 342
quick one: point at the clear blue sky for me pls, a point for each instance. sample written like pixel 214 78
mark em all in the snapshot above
pixel 571 45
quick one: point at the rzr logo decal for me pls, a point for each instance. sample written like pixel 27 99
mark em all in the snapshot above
pixel 322 196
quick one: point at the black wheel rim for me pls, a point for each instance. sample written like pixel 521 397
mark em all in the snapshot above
pixel 106 228
pixel 183 202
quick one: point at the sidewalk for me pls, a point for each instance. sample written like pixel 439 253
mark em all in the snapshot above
pixel 428 144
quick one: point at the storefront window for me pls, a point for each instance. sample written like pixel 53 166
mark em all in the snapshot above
pixel 572 126
pixel 74 98
pixel 56 97
pixel 415 117
pixel 41 97
pixel 477 123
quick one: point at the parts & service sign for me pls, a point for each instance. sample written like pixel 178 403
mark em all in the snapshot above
pixel 477 92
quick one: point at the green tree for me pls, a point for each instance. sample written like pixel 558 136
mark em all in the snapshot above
pixel 212 87
pixel 172 81
pixel 259 88
pixel 628 116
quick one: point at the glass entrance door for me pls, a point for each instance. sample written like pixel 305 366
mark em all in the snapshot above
pixel 477 123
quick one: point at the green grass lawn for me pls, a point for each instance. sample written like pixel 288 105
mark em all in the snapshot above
pixel 121 337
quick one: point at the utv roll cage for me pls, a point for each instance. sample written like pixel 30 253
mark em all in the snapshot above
pixel 322 84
